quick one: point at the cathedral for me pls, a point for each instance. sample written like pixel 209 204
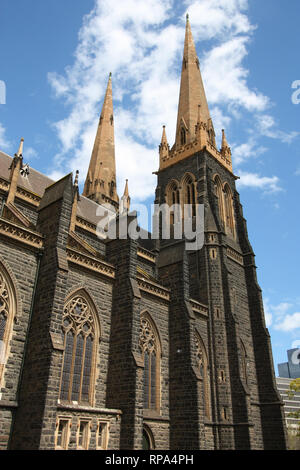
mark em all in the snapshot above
pixel 124 343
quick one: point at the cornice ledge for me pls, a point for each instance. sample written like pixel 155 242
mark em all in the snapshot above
pixel 91 263
pixel 21 234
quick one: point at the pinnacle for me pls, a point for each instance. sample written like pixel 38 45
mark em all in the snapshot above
pixel 20 150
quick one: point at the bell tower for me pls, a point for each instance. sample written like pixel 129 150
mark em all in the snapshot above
pixel 223 393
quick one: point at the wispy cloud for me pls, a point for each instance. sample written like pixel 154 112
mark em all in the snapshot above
pixel 289 323
pixel 256 181
pixel 4 142
pixel 267 126
pixel 249 149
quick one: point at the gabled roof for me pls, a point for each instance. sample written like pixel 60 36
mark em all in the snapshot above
pixel 37 182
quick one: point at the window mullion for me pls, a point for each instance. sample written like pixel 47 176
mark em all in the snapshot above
pixel 82 367
pixel 72 366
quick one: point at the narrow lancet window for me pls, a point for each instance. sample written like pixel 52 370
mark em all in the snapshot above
pixel 150 349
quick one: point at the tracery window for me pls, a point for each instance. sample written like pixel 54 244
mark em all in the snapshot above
pixel 150 348
pixel 80 330
pixel 202 365
pixel 7 312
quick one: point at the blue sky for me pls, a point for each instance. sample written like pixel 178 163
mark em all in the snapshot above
pixel 55 57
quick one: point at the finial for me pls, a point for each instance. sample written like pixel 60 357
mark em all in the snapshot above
pixel 126 192
pixel 76 178
pixel 187 17
pixel 110 75
pixel 164 136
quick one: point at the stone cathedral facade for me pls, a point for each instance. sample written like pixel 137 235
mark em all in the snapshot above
pixel 133 344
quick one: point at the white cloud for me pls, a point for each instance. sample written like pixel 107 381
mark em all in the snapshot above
pixel 226 78
pixel 255 181
pixel 268 313
pixel 267 126
pixel 281 309
pixel 279 317
pixel 289 323
pixel 4 142
pixel 30 153
pixel 219 18
pixel 244 151
pixel 141 44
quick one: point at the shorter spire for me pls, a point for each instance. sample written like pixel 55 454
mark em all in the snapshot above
pixel 126 192
pixel 164 147
pixel 125 200
pixel 225 149
pixel 164 140
pixel 76 179
pixel 224 140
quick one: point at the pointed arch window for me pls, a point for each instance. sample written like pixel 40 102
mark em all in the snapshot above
pixel 219 194
pixel 149 345
pixel 81 337
pixel 188 184
pixel 228 206
pixel 7 313
pixel 203 369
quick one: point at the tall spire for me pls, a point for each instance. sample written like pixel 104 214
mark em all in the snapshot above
pixel 225 149
pixel 164 146
pixel 192 93
pixel 100 184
